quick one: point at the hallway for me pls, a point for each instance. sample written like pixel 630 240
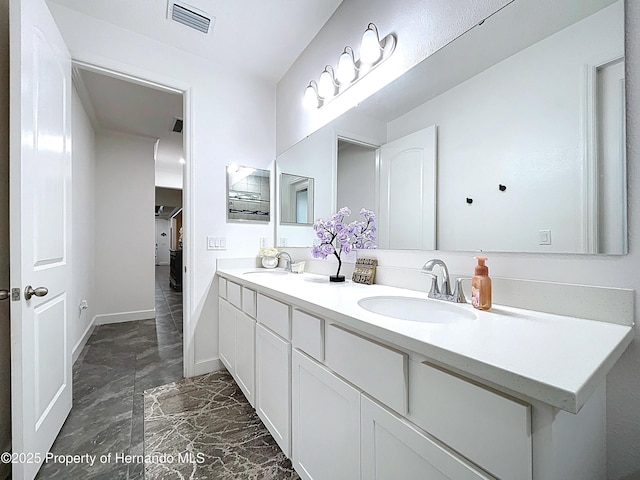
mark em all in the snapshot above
pixel 117 364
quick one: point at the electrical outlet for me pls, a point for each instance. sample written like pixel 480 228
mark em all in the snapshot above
pixel 545 237
pixel 263 242
pixel 283 241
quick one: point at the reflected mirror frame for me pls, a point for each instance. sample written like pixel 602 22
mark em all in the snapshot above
pixel 310 199
pixel 259 218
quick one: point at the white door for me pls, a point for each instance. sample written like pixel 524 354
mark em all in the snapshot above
pixel 245 355
pixel 273 386
pixel 325 414
pixel 392 448
pixel 408 192
pixel 162 241
pixel 40 214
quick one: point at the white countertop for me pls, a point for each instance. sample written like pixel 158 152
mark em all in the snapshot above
pixel 554 359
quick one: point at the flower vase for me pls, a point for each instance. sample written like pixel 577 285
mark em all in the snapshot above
pixel 269 262
pixel 336 278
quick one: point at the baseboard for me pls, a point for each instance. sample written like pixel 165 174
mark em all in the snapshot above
pixel 77 349
pixel 105 319
pixel 207 366
pixel 5 468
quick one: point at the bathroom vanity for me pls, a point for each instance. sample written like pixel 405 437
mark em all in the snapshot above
pixel 348 393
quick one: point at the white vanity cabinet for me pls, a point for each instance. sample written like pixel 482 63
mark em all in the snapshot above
pixel 273 369
pixel 326 422
pixel 236 339
pixel 344 401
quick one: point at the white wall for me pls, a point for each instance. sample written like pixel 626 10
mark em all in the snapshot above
pixel 5 337
pixel 83 179
pixel 124 228
pixel 232 121
pixel 494 129
pixel 421 27
pixel 623 388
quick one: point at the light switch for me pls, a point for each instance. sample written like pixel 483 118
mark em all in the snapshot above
pixel 216 243
pixel 545 237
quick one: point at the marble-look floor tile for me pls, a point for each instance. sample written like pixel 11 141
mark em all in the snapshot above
pixel 117 363
pixel 209 417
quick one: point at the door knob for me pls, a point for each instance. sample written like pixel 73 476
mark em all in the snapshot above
pixel 29 292
pixel 4 294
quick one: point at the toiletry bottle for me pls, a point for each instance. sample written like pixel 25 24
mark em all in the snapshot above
pixel 481 286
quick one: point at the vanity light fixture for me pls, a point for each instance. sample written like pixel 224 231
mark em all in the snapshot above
pixel 310 99
pixel 347 70
pixel 373 52
pixel 370 49
pixel 327 84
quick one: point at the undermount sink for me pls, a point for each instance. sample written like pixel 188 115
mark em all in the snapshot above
pixel 417 309
pixel 267 272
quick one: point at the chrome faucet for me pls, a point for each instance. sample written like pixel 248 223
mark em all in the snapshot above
pixel 443 292
pixel 287 260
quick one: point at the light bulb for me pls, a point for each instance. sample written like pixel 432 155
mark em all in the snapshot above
pixel 326 85
pixel 370 50
pixel 346 67
pixel 182 161
pixel 310 99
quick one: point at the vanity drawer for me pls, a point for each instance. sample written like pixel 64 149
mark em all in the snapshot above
pixel 377 369
pixel 234 294
pixel 488 428
pixel 274 315
pixel 222 287
pixel 307 334
pixel 249 302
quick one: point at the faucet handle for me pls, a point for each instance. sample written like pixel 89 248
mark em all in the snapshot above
pixel 458 292
pixel 434 290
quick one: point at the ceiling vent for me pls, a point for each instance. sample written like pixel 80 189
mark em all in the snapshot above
pixel 178 124
pixel 189 16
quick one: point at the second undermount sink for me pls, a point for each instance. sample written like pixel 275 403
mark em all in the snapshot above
pixel 267 271
pixel 417 309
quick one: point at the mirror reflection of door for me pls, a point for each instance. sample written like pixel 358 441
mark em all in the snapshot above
pixel 296 199
pixel 357 182
pixel 302 206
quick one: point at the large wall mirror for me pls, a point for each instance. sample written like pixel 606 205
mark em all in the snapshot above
pixel 248 194
pixel 526 115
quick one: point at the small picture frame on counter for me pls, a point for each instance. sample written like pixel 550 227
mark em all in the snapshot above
pixel 365 271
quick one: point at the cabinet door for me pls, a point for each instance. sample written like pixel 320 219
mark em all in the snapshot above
pixel 245 355
pixel 227 335
pixel 326 423
pixel 392 449
pixel 273 385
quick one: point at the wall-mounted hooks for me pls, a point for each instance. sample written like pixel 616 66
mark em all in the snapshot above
pixel 469 200
pixel 502 187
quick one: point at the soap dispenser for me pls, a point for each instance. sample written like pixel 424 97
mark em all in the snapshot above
pixel 481 286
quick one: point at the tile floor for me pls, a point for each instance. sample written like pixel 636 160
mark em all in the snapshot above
pixel 203 428
pixel 118 363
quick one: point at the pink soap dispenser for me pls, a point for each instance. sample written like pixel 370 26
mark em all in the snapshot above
pixel 481 286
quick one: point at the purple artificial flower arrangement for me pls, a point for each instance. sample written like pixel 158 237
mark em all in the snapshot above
pixel 337 237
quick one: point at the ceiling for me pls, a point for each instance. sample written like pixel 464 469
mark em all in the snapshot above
pixel 263 37
pixel 117 105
